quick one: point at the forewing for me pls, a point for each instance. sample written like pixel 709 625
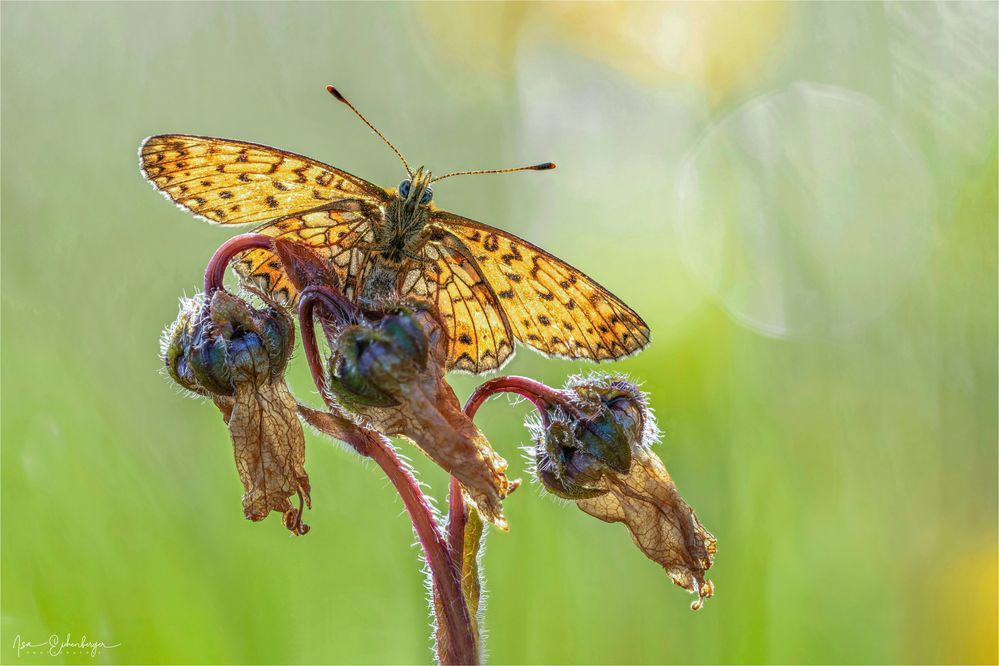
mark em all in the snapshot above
pixel 551 306
pixel 235 182
pixel 480 338
pixel 339 236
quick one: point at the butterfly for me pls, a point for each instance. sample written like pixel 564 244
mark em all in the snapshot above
pixel 490 287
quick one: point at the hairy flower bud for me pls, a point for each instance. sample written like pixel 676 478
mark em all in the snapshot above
pixel 594 448
pixel 563 466
pixel 373 363
pixel 188 359
pixel 591 436
pixel 391 373
pixel 237 355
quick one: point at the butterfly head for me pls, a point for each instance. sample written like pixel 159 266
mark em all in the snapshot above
pixel 416 190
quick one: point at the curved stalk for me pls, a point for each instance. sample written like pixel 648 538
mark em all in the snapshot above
pixel 337 306
pixel 215 271
pixel 540 395
pixel 457 518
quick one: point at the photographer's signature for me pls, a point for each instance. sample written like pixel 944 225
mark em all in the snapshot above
pixel 56 646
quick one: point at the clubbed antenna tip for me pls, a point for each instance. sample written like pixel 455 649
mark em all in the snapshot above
pixel 336 93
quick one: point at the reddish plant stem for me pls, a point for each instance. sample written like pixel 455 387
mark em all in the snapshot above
pixel 541 396
pixel 460 646
pixel 342 310
pixel 338 307
pixel 457 518
pixel 215 271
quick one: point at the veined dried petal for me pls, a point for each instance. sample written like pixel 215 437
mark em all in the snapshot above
pixel 661 523
pixel 267 437
pixel 269 446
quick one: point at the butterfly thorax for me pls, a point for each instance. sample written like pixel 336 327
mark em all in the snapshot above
pixel 398 237
pixel 400 234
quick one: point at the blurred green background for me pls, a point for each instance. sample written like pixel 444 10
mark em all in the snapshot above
pixel 799 198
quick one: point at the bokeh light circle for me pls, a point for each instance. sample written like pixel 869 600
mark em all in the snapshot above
pixel 805 211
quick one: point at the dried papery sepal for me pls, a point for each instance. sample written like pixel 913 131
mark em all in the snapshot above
pixel 610 434
pixel 661 523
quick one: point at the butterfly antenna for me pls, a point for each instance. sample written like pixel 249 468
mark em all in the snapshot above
pixel 533 167
pixel 336 93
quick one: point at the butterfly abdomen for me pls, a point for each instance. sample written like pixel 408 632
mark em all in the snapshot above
pixel 380 284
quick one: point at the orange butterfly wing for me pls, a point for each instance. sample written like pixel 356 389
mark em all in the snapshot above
pixel 236 182
pixel 550 306
pixel 339 235
pixel 480 335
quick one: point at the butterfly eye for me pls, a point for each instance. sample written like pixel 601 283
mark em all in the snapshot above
pixel 404 189
pixel 428 194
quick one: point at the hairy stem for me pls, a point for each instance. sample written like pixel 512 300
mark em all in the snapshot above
pixel 457 517
pixel 453 614
pixel 540 395
pixel 460 647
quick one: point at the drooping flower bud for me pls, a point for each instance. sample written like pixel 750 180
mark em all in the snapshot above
pixel 390 372
pixel 594 435
pixel 237 355
pixel 595 448
pixel 372 363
